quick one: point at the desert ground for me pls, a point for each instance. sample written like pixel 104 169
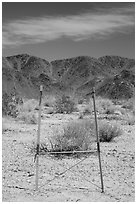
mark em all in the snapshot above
pixel 79 184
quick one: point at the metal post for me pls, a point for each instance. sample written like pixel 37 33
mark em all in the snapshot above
pixel 98 142
pixel 38 138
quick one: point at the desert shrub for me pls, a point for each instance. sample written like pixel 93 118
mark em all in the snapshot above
pixel 87 110
pixel 81 115
pixel 28 106
pixel 49 101
pixel 77 135
pixel 80 135
pixel 80 101
pixel 26 111
pixel 107 131
pixel 129 104
pixel 10 103
pixel 28 117
pixel 50 110
pixel 102 106
pixel 130 119
pixel 105 106
pixel 64 105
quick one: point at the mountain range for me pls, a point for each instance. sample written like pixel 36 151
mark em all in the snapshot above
pixel 112 76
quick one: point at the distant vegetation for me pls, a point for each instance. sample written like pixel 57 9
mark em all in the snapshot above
pixel 80 135
pixel 10 103
pixel 64 105
pixel 114 81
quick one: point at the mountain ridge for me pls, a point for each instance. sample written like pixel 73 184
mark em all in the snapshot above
pixel 24 74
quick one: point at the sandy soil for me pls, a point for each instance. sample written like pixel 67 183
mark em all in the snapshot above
pixel 82 183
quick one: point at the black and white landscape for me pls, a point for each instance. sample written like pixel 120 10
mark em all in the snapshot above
pixel 69 48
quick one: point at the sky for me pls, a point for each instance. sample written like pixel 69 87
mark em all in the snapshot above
pixel 58 30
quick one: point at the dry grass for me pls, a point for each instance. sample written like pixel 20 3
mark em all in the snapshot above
pixel 129 104
pixel 80 135
pixel 26 111
pixel 130 119
pixel 28 117
pixel 108 131
pixel 49 101
pixel 76 135
pixel 64 104
pixel 28 106
pixel 102 106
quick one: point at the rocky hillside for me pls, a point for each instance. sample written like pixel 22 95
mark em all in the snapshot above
pixel 113 76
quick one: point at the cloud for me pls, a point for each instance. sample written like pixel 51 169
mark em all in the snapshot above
pixel 99 24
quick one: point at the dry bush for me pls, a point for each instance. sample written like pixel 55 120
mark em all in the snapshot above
pixel 129 104
pixel 28 117
pixel 10 103
pixel 107 131
pixel 76 135
pixel 130 119
pixel 28 106
pixel 49 101
pixel 80 135
pixel 87 111
pixel 102 106
pixel 26 111
pixel 64 105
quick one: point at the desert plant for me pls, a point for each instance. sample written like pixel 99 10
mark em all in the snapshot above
pixel 77 135
pixel 81 115
pixel 130 119
pixel 102 106
pixel 87 110
pixel 80 101
pixel 26 111
pixel 27 117
pixel 110 110
pixel 49 101
pixel 129 104
pixel 105 105
pixel 64 105
pixel 28 106
pixel 10 103
pixel 107 131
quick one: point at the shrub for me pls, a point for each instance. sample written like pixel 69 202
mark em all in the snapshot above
pixel 65 105
pixel 28 106
pixel 50 111
pixel 29 118
pixel 107 131
pixel 81 115
pixel 10 103
pixel 105 105
pixel 130 104
pixel 87 110
pixel 80 101
pixel 102 106
pixel 77 135
pixel 130 119
pixel 80 135
pixel 49 101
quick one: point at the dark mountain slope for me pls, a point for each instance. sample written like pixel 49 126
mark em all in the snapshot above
pixel 24 74
pixel 113 76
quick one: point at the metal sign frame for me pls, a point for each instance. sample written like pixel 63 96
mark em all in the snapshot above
pixel 67 152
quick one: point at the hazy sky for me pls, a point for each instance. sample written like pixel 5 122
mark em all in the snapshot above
pixel 57 30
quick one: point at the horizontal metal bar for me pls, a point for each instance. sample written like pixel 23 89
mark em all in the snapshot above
pixel 71 152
